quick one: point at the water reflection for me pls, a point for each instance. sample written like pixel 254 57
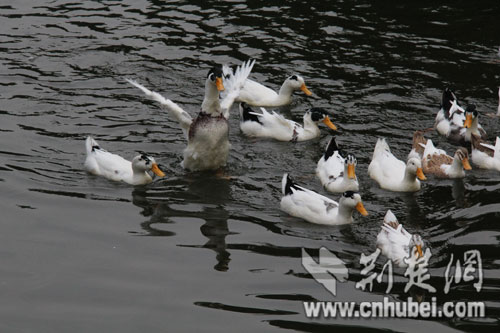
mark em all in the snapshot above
pixel 215 192
pixel 216 230
pixel 458 192
pixel 158 212
pixel 208 195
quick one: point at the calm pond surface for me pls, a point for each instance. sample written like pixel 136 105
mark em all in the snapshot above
pixel 196 253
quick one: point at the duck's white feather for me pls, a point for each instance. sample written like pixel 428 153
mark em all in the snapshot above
pixel 393 240
pixel 233 84
pixel 207 134
pixel 275 126
pixel 484 160
pixel 181 116
pixel 333 175
pixel 391 173
pixel 316 208
pixel 111 166
pixel 256 94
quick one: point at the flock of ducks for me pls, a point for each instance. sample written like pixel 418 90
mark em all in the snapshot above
pixel 208 148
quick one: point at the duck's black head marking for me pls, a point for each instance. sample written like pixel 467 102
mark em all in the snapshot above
pixel 471 108
pixel 349 194
pixel 318 114
pixel 215 72
pixel 145 158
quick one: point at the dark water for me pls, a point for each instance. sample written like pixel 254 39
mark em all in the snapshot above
pixel 194 252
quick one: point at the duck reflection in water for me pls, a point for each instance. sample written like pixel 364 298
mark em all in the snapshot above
pixel 207 196
pixel 214 193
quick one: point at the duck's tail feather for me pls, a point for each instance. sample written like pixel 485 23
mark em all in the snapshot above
pixel 91 145
pixel 331 148
pixel 380 147
pixel 247 114
pixel 447 100
pixel 287 184
pixel 390 219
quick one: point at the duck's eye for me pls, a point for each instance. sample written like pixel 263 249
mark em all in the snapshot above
pixel 212 77
pixel 294 77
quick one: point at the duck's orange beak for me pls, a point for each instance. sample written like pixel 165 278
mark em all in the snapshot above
pixel 218 83
pixel 466 164
pixel 468 120
pixel 157 170
pixel 420 174
pixel 361 209
pixel 419 251
pixel 305 90
pixel 329 123
pixel 350 171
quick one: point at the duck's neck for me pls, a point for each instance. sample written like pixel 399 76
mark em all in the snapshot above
pixel 211 104
pixel 410 179
pixel 345 213
pixel 311 129
pixel 285 93
pixel 141 177
pixel 473 129
pixel 346 181
pixel 456 167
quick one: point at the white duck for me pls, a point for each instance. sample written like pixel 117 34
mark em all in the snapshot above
pixel 207 134
pixel 396 243
pixel 114 167
pixel 451 115
pixel 437 162
pixel 484 155
pixel 315 208
pixel 393 174
pixel 455 123
pixel 336 173
pixel 470 126
pixel 273 125
pixel 256 94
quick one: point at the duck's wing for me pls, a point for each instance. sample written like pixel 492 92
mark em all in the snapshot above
pixel 497 148
pixel 456 114
pixel 434 158
pixel 233 84
pixel 447 99
pixel 255 93
pixel 478 144
pixel 309 201
pixel 286 123
pixel 419 142
pixel 276 121
pixel 103 163
pixel 331 169
pixel 175 110
pixel 430 150
pixel 387 164
pixel 397 236
pixel 303 197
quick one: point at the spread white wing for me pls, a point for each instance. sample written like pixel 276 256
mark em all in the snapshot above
pixel 175 110
pixel 233 84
